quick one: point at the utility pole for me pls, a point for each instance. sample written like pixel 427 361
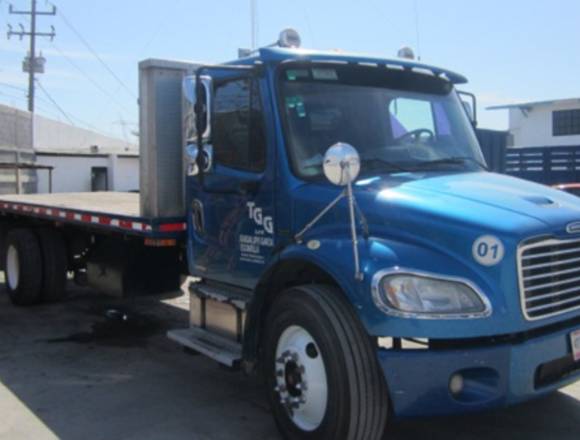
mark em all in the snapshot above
pixel 32 64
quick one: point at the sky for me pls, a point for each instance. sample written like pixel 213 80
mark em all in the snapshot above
pixel 510 50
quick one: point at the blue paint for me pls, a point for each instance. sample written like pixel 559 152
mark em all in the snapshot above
pixel 495 376
pixel 420 220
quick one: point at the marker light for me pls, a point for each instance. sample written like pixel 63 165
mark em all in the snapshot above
pixel 289 38
pixel 456 384
pixel 406 52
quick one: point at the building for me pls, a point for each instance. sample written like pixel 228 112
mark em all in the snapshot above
pixel 60 157
pixel 16 148
pixel 543 123
pixel 84 170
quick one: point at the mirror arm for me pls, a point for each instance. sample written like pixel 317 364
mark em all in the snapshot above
pixel 363 220
pixel 354 236
pixel 298 237
pixel 353 209
pixel 474 104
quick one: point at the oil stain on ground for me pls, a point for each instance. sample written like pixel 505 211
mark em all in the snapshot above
pixel 117 327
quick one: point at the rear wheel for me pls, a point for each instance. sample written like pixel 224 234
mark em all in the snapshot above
pixel 23 267
pixel 54 265
pixel 320 368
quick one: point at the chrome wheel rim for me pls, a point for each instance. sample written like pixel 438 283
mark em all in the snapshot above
pixel 12 267
pixel 301 381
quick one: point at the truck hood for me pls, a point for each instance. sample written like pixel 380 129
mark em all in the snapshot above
pixel 488 200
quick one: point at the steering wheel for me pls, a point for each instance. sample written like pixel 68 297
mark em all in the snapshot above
pixel 416 135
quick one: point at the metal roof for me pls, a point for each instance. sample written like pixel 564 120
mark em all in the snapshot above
pixel 527 105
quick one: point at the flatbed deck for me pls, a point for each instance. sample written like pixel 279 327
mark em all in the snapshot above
pixel 113 211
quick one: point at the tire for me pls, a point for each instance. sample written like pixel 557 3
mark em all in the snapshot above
pixel 309 326
pixel 23 267
pixel 54 265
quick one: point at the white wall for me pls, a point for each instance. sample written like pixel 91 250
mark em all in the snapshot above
pixel 123 173
pixel 72 173
pixel 533 128
pixel 55 135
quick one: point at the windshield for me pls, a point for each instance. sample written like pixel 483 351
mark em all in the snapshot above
pixel 397 120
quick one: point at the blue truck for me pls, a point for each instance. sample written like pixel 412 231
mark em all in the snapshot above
pixel 340 234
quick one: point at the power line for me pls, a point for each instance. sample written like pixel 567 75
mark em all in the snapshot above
pixel 93 51
pixel 11 86
pixel 71 117
pixel 89 78
pixel 25 99
pixel 58 107
pixel 22 89
pixel 161 26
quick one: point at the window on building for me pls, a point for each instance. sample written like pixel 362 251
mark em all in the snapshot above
pixel 238 132
pixel 566 122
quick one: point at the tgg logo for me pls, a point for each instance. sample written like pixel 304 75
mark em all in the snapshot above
pixel 261 220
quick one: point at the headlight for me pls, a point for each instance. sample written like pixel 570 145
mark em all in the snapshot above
pixel 427 296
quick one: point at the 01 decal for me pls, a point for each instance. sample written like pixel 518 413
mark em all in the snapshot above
pixel 488 250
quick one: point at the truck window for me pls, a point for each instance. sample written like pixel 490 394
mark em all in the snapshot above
pixel 410 114
pixel 397 120
pixel 238 132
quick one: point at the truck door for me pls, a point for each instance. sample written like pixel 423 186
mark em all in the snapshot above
pixel 231 224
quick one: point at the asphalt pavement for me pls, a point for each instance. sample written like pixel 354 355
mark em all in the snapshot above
pixel 93 367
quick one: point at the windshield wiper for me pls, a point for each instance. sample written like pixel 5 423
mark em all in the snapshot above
pixel 379 161
pixel 452 161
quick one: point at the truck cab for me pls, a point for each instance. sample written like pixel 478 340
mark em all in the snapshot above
pixel 346 239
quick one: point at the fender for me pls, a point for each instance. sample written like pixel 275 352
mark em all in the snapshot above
pixel 319 265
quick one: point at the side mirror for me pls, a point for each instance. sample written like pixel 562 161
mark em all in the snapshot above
pixel 194 161
pixel 341 164
pixel 202 106
pixel 198 98
pixel 469 102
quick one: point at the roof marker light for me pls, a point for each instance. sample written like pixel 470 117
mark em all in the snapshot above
pixel 289 38
pixel 406 52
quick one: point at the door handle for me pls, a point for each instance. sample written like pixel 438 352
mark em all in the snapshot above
pixel 249 186
pixel 197 217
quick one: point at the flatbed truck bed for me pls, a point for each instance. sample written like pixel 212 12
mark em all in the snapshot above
pixel 104 211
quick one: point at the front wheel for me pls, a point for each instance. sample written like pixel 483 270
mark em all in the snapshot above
pixel 321 372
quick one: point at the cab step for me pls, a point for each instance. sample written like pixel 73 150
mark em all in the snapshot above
pixel 217 315
pixel 217 347
pixel 220 309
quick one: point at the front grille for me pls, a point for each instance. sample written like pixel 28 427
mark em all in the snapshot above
pixel 549 273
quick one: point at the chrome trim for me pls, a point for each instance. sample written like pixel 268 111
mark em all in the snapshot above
pixel 556 283
pixel 539 242
pixel 397 270
pixel 539 266
pixel 573 228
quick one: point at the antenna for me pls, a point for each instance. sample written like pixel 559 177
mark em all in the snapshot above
pixel 416 7
pixel 254 23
